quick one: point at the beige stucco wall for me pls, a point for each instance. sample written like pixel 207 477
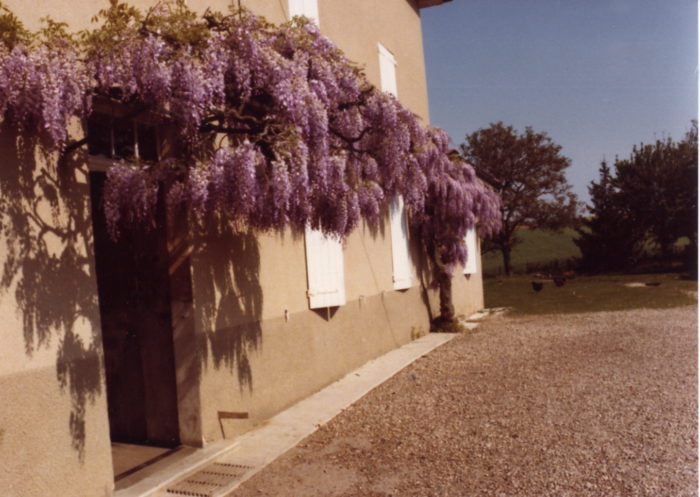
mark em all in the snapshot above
pixel 393 23
pixel 78 14
pixel 54 433
pixel 468 289
pixel 245 341
pixel 262 348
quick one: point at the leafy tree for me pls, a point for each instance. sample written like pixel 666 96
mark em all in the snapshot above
pixel 658 183
pixel 649 197
pixel 527 171
pixel 609 237
pixel 276 127
pixel 688 213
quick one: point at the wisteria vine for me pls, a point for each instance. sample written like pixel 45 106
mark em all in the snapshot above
pixel 276 127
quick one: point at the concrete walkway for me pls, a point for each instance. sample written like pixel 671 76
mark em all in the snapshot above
pixel 221 467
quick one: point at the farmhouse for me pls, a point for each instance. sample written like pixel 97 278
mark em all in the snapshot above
pixel 173 336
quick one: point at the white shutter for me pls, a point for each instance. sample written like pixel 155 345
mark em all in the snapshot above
pixel 397 214
pixel 399 244
pixel 308 8
pixel 324 270
pixel 472 252
pixel 387 70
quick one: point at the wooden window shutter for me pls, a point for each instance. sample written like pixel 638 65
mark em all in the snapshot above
pixel 400 250
pixel 472 252
pixel 324 270
pixel 397 214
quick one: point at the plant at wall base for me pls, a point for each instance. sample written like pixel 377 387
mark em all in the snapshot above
pixel 276 127
pixel 454 325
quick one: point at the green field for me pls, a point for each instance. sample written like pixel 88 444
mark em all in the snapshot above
pixel 590 293
pixel 538 247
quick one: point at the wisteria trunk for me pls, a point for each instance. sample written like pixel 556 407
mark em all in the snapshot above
pixel 443 278
pixel 447 308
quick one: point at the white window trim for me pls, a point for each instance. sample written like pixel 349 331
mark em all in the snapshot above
pixel 472 266
pixel 387 70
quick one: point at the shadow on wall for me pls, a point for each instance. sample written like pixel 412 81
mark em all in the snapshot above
pixel 48 267
pixel 229 298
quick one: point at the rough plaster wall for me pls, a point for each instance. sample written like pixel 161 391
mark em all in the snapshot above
pixel 469 288
pixel 283 361
pixel 467 293
pixel 254 361
pixel 301 356
pixel 394 23
pixel 54 435
pixel 38 453
pixel 79 13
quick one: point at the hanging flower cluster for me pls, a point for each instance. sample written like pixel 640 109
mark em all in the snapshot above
pixel 276 127
pixel 43 85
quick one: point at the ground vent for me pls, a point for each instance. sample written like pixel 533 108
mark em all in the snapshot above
pixel 210 481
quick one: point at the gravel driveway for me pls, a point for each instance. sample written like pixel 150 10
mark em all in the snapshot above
pixel 597 404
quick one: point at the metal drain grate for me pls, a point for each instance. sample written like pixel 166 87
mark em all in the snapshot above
pixel 209 480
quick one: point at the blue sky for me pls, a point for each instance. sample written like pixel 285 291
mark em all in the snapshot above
pixel 597 75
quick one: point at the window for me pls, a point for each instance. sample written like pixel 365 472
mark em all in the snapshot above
pixel 115 138
pixel 387 70
pixel 399 244
pixel 308 8
pixel 324 270
pixel 472 252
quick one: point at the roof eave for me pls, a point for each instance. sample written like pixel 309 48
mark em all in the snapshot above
pixel 422 4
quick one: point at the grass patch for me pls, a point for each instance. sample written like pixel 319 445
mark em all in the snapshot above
pixel 538 247
pixel 590 293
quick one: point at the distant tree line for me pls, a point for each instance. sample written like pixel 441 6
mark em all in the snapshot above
pixel 644 204
pixel 641 206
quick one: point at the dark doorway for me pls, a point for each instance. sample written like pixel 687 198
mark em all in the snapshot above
pixel 133 288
